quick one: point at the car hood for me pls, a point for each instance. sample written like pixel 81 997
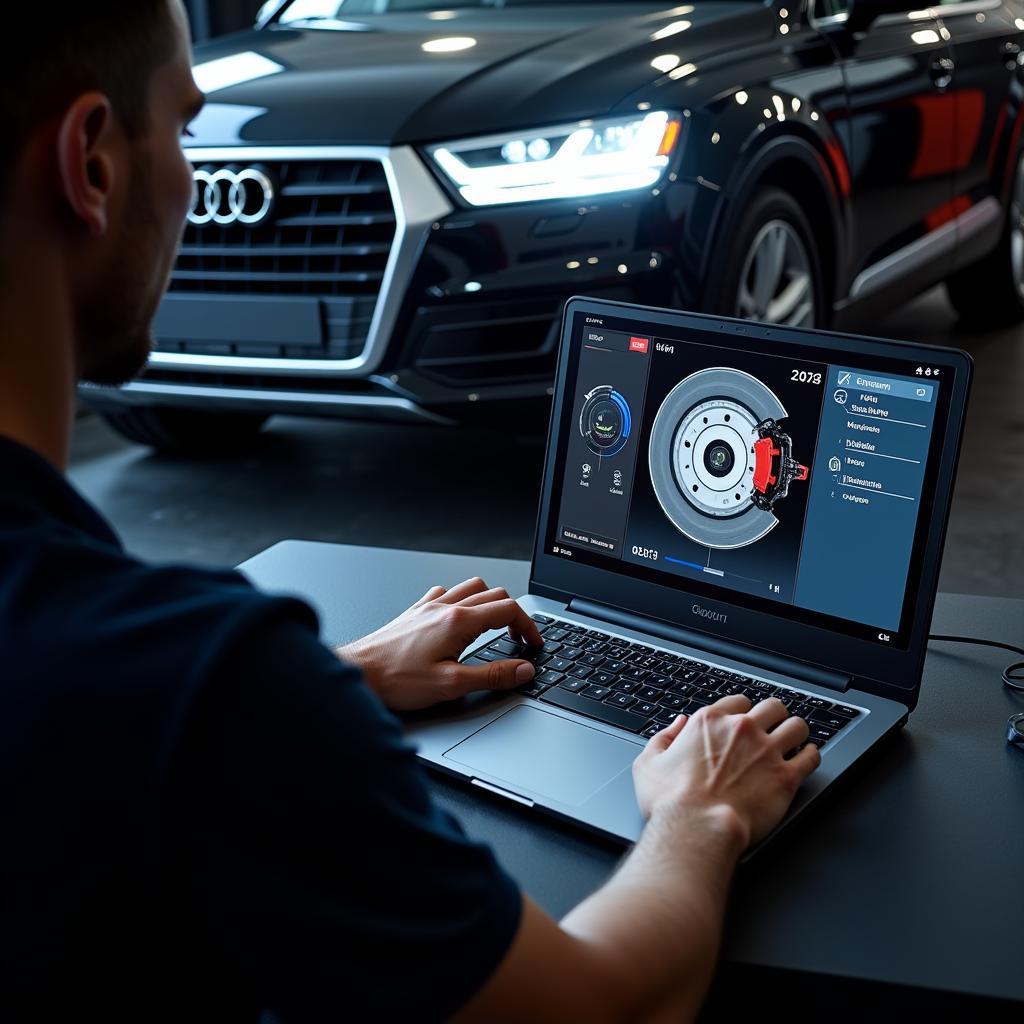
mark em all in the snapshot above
pixel 372 82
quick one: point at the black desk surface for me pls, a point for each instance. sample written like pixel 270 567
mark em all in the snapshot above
pixel 910 873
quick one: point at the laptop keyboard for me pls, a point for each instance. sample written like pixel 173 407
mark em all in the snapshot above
pixel 642 689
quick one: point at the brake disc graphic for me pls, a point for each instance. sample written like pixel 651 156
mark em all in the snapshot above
pixel 719 460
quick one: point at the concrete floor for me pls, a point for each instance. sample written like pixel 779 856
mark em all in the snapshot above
pixel 474 491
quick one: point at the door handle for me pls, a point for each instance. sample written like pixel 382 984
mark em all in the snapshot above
pixel 942 72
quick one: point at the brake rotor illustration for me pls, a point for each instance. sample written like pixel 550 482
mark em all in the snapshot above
pixel 605 421
pixel 719 460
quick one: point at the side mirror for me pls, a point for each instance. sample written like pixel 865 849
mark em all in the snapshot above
pixel 864 12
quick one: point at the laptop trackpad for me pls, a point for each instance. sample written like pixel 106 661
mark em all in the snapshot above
pixel 540 753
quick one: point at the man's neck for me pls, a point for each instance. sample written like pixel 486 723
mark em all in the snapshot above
pixel 37 368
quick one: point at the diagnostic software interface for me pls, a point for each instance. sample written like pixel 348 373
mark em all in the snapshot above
pixel 747 469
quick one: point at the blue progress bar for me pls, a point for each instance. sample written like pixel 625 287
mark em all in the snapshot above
pixel 679 561
pixel 624 407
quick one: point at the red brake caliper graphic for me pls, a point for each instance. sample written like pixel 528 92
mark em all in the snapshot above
pixel 771 479
pixel 764 452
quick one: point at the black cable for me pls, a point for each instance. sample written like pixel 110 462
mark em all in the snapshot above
pixel 1013 675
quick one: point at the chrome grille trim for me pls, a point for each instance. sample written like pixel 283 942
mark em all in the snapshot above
pixel 418 202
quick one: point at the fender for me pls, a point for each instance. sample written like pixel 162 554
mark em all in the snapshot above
pixel 751 170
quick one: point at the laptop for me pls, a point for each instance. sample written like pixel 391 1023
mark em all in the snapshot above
pixel 726 507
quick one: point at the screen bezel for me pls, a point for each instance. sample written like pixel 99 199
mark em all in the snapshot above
pixel 890 672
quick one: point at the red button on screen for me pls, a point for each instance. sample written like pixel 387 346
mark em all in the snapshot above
pixel 638 344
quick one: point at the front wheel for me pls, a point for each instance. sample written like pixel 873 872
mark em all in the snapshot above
pixel 769 269
pixel 990 293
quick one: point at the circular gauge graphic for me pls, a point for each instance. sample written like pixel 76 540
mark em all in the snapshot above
pixel 605 421
pixel 719 460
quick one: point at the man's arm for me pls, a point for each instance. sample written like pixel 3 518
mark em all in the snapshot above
pixel 644 946
pixel 310 859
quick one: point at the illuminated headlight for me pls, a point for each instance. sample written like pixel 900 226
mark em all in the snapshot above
pixel 587 158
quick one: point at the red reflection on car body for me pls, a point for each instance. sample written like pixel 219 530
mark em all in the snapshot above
pixel 946 212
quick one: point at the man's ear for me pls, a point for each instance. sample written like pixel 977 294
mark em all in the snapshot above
pixel 86 159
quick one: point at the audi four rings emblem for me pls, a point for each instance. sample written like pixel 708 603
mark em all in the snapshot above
pixel 230 197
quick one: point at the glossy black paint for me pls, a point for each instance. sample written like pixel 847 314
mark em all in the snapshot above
pixel 531 65
pixel 863 128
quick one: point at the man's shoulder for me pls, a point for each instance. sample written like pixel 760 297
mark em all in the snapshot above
pixel 67 601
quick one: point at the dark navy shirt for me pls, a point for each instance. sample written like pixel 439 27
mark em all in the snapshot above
pixel 204 813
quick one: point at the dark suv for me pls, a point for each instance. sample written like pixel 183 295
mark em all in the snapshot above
pixel 394 200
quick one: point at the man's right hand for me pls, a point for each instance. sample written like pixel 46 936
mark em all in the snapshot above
pixel 643 947
pixel 724 759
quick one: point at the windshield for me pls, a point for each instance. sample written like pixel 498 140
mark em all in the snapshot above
pixel 336 10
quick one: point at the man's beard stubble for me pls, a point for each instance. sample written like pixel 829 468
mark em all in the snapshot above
pixel 115 325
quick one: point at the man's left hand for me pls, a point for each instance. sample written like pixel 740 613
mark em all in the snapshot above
pixel 412 662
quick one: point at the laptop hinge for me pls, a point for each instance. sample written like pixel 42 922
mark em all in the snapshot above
pixel 714 645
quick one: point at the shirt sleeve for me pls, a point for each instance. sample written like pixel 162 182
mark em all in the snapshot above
pixel 324 871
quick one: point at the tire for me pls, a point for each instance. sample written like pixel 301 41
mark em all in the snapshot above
pixel 787 286
pixel 990 293
pixel 185 430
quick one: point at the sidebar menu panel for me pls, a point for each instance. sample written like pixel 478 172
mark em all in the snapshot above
pixel 865 497
pixel 601 454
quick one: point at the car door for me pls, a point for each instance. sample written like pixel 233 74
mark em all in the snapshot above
pixel 986 40
pixel 899 133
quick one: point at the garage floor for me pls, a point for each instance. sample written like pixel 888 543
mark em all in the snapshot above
pixel 475 491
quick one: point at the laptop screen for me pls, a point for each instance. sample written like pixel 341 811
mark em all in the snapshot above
pixel 774 475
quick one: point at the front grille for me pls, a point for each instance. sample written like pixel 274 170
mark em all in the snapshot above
pixel 327 237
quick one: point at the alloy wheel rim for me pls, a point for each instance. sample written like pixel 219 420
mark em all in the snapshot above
pixel 1017 229
pixel 776 284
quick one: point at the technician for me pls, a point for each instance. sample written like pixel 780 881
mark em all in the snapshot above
pixel 206 813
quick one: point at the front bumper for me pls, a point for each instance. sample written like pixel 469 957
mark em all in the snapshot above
pixel 372 403
pixel 467 314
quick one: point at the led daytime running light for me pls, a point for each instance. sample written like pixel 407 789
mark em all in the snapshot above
pixel 586 159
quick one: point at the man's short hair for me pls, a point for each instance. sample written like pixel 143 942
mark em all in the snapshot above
pixel 60 50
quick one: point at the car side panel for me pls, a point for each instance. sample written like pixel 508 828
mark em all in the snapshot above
pixel 986 44
pixel 901 137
